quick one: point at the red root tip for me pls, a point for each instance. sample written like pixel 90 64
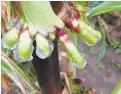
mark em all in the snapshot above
pixel 73 24
pixel 77 14
pixel 60 32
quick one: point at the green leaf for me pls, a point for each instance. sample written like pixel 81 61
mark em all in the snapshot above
pixel 24 66
pixel 103 46
pixel 117 88
pixel 119 46
pixel 39 15
pixel 105 7
pixel 102 51
pixel 115 43
pixel 18 80
pixel 10 9
pixel 118 65
pixel 82 3
pixel 81 6
pixel 13 71
pixel 5 67
pixel 118 51
pixel 94 3
pixel 8 52
pixel 101 66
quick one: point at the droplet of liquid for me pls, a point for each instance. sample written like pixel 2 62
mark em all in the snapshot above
pixel 39 51
pixel 29 58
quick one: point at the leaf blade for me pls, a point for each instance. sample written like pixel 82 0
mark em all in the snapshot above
pixel 103 46
pixel 105 7
pixel 117 88
pixel 11 69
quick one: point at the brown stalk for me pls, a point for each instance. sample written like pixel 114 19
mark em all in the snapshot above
pixel 67 87
pixel 106 29
pixel 70 70
pixel 3 27
pixel 66 12
pixel 108 38
pixel 17 7
pixel 4 12
pixel 47 70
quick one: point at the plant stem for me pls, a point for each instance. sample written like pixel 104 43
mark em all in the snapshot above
pixel 47 72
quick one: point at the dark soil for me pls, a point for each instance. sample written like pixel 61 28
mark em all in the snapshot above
pixel 102 81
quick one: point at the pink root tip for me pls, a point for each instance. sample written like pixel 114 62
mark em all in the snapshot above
pixel 77 14
pixel 71 25
pixel 60 33
pixel 69 22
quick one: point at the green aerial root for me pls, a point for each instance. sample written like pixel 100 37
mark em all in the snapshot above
pixel 24 46
pixel 42 44
pixel 79 61
pixel 88 34
pixel 10 38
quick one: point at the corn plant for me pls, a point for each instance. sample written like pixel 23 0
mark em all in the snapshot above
pixel 32 31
